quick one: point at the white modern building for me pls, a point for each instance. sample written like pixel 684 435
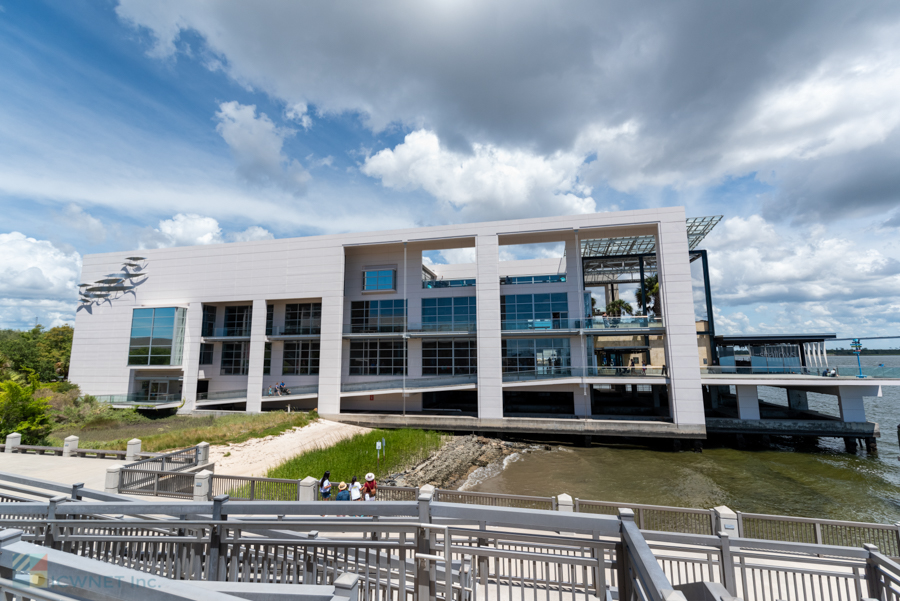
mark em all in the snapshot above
pixel 365 328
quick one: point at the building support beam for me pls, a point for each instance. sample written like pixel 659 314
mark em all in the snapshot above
pixel 487 301
pixel 257 356
pixel 850 399
pixel 747 402
pixel 797 400
pixel 190 361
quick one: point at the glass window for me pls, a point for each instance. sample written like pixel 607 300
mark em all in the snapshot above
pixel 540 355
pixel 379 280
pixel 456 313
pixel 235 358
pixel 534 279
pixel 303 318
pixel 209 321
pixel 270 318
pixel 378 316
pixel 267 359
pixel 377 357
pixel 300 358
pixel 449 357
pixel 237 320
pixel 529 311
pixel 157 336
pixel 206 353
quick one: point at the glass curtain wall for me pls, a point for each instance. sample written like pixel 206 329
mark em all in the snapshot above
pixel 270 319
pixel 378 357
pixel 300 359
pixel 235 358
pixel 157 336
pixel 540 355
pixel 206 353
pixel 528 311
pixel 303 319
pixel 209 321
pixel 237 320
pixel 384 316
pixel 449 357
pixel 448 314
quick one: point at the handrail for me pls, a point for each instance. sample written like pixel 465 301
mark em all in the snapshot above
pixel 182 459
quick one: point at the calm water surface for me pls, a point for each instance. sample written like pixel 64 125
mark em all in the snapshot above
pixel 822 481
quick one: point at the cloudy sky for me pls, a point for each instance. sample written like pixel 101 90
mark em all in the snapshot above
pixel 152 123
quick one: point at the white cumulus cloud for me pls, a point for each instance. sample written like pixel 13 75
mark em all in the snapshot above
pixel 189 229
pixel 488 182
pixel 257 145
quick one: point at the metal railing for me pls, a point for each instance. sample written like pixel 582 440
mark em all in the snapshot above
pixel 844 371
pixel 432 382
pixel 242 488
pixel 222 395
pixel 549 373
pixel 532 279
pixel 233 332
pixel 819 531
pixel 156 483
pixel 626 322
pixel 494 500
pixel 590 323
pixel 176 461
pixel 462 283
pixel 314 329
pixel 398 327
pixel 272 391
pixel 657 517
pixel 138 398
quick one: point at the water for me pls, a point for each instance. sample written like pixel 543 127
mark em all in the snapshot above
pixel 822 481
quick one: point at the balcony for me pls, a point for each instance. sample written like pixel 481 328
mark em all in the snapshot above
pixel 626 323
pixel 417 330
pixel 222 395
pixel 408 383
pixel 227 333
pixel 447 283
pixel 553 373
pixel 533 279
pixel 137 398
pixel 539 325
pixel 844 372
pixel 313 330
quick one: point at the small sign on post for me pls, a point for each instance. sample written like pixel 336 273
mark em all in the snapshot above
pixel 377 453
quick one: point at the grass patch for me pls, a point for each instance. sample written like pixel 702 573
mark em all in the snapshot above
pixel 355 456
pixel 180 431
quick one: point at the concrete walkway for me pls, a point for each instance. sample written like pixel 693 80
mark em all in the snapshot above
pixel 65 470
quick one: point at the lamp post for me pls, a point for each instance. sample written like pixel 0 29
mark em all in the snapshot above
pixel 856 345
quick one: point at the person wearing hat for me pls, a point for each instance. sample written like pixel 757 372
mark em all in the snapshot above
pixel 343 493
pixel 370 488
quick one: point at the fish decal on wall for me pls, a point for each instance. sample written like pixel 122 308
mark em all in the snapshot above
pixel 115 285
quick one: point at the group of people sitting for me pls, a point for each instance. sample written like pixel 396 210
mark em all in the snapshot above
pixel 278 390
pixel 352 492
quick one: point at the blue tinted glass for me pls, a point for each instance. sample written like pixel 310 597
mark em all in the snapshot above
pixel 165 312
pixel 142 313
pixel 542 298
pixel 429 302
pixel 445 302
pixel 559 296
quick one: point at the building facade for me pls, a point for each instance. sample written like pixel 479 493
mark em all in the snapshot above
pixel 361 323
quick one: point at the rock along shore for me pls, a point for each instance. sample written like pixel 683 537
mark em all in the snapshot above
pixel 451 466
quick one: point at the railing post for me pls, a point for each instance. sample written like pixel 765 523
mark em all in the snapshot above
pixel 726 520
pixel 8 537
pixel 12 441
pixel 216 539
pixel 202 486
pixel 626 588
pixel 306 491
pixel 70 445
pixel 50 535
pixel 873 579
pixel 133 449
pixel 76 491
pixel 897 539
pixel 426 493
pixel 202 454
pixel 727 564
pixel 346 586
pixel 113 480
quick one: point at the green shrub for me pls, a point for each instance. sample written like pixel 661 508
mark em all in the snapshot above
pixel 21 412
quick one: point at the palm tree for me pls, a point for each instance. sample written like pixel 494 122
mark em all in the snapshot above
pixel 617 307
pixel 651 287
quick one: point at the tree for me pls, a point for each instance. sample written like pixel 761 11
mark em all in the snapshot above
pixel 55 347
pixel 617 307
pixel 21 412
pixel 651 287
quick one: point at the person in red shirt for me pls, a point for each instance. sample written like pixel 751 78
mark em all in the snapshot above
pixel 370 487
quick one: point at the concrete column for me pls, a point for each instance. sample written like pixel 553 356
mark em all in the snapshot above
pixel 726 520
pixel 487 293
pixel 346 586
pixel 583 401
pixel 12 441
pixel 747 402
pixel 70 445
pixel 133 449
pixel 564 502
pixel 676 295
pixel 190 361
pixel 330 366
pixel 113 474
pixel 797 400
pixel 850 399
pixel 257 356
pixel 202 486
pixel 306 492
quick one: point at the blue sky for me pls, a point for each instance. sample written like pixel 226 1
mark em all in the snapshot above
pixel 148 124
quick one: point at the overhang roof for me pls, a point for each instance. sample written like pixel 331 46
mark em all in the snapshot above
pixel 697 229
pixel 762 339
